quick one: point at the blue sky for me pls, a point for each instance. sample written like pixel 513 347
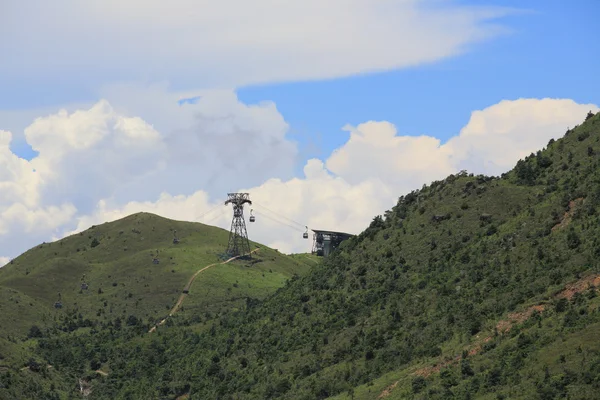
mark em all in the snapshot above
pixel 552 51
pixel 549 52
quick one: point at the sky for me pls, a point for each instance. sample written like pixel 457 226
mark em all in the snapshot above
pixel 325 112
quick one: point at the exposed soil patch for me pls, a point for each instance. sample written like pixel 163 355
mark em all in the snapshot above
pixel 568 216
pixel 580 286
pixel 387 391
pixel 517 318
pixel 85 387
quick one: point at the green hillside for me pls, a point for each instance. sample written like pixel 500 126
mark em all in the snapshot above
pixel 115 261
pixel 472 287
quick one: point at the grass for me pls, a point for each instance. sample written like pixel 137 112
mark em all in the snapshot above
pixel 123 280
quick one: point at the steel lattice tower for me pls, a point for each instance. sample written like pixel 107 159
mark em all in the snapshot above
pixel 238 236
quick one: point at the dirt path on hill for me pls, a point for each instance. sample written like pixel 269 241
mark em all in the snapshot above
pixel 568 215
pixel 187 288
pixel 503 326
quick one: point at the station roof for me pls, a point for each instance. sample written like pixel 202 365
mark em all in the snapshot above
pixel 332 232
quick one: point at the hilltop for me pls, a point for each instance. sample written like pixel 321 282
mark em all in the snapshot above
pixel 472 287
pixel 130 269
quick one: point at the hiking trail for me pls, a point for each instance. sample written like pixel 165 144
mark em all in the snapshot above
pixel 187 286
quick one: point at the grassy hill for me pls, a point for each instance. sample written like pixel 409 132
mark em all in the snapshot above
pixel 473 287
pixel 115 261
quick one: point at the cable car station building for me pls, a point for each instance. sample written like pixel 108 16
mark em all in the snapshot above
pixel 324 242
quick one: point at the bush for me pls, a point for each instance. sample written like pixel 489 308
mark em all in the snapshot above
pixel 573 240
pixel 418 384
pixel 35 332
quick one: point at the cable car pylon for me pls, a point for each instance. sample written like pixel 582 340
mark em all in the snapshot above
pixel 238 236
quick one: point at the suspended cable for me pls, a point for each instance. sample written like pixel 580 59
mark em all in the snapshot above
pixel 281 216
pixel 279 222
pixel 217 216
pixel 220 204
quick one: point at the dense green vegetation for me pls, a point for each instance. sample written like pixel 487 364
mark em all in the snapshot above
pixel 421 285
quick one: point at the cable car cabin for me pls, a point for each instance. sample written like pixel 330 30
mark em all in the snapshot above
pixel 58 304
pixel 252 219
pixel 155 261
pixel 84 286
pixel 305 235
pixel 175 241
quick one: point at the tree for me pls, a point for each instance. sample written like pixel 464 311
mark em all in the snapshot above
pixel 35 332
pixel 573 240
pixel 418 384
pixel 589 115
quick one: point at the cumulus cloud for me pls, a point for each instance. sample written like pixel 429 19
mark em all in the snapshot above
pixel 319 200
pixel 493 140
pixel 17 178
pixel 126 165
pixel 498 136
pixel 365 176
pixel 91 153
pixel 208 144
pixel 103 152
pixel 376 149
pixel 230 43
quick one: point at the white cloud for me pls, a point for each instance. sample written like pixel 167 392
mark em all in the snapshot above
pixel 229 43
pixel 282 208
pixel 493 140
pixel 498 136
pixel 19 218
pixel 89 154
pixel 4 261
pixel 17 178
pixel 125 165
pixel 99 153
pixel 376 149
